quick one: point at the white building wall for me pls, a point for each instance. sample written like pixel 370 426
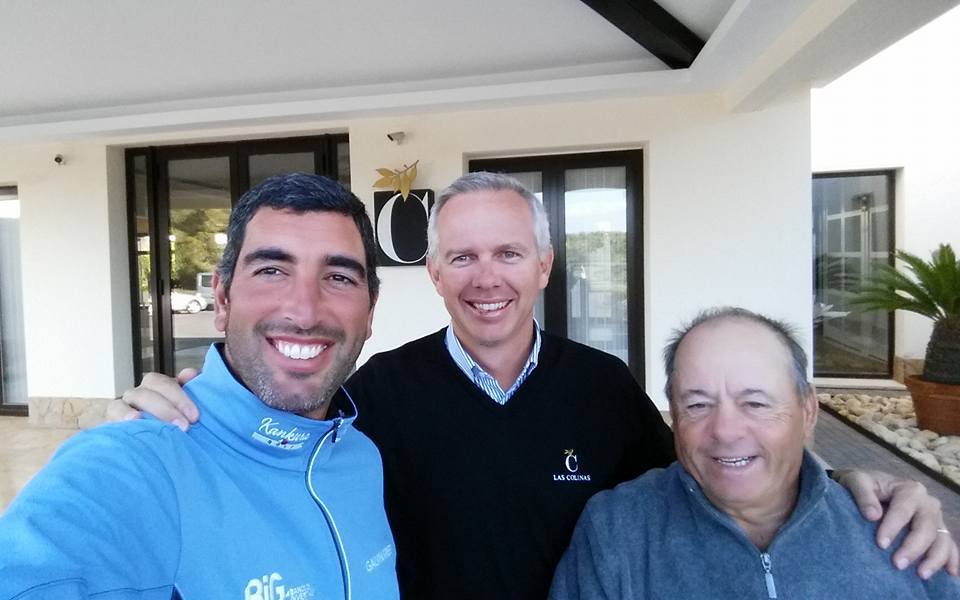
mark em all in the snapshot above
pixel 74 287
pixel 899 110
pixel 726 217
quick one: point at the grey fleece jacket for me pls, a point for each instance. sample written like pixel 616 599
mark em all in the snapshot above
pixel 659 537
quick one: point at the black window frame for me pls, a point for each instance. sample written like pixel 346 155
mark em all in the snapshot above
pixel 891 175
pixel 157 158
pixel 552 168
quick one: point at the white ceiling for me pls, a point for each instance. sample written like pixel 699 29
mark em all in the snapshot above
pixel 102 66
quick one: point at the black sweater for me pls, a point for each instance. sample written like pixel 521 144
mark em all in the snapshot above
pixel 483 498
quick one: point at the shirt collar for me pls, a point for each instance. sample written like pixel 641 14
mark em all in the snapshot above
pixel 475 372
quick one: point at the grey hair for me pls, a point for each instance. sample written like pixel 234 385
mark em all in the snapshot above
pixel 784 332
pixel 483 181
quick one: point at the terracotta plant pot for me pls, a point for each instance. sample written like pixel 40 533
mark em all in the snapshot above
pixel 937 405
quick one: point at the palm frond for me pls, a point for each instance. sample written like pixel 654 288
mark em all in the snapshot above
pixel 929 288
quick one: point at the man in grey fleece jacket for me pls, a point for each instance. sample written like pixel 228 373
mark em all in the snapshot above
pixel 746 512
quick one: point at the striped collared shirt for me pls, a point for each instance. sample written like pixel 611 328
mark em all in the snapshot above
pixel 484 380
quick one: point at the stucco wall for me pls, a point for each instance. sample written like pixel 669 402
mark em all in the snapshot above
pixel 76 302
pixel 727 219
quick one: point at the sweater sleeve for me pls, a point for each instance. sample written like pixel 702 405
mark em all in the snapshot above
pixel 583 571
pixel 653 440
pixel 101 517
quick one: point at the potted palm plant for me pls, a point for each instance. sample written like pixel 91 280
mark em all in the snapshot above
pixel 932 289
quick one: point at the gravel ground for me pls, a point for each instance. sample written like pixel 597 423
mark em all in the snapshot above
pixel 892 419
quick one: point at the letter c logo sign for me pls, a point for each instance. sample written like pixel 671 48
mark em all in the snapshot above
pixel 572 463
pixel 396 216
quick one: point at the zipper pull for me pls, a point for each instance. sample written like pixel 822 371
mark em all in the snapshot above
pixel 771 588
pixel 337 422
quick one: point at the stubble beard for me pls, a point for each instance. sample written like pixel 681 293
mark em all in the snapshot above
pixel 248 364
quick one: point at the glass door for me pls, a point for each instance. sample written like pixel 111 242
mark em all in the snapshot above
pixel 595 229
pixel 853 233
pixel 179 200
pixel 198 200
pixel 13 373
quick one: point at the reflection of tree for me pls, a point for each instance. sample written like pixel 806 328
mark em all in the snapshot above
pixel 597 290
pixel 195 249
pixel 143 265
pixel 603 253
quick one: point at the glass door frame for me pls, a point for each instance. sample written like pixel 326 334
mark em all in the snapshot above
pixel 891 177
pixel 553 167
pixel 158 158
pixel 19 410
pixel 8 410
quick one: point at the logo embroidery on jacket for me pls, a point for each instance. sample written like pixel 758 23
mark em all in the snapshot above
pixel 378 559
pixel 273 433
pixel 269 587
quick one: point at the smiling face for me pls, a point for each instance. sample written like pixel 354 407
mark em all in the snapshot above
pixel 298 310
pixel 738 421
pixel 487 268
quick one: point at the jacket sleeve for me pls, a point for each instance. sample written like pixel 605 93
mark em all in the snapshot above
pixel 100 518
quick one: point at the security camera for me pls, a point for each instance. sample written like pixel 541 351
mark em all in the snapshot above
pixel 396 136
pixel 59 160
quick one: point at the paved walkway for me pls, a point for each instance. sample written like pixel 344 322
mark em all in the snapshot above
pixel 842 447
pixel 23 450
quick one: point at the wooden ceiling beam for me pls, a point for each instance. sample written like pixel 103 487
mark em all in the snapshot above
pixel 648 24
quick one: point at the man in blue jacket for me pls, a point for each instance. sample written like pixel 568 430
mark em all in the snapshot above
pixel 746 512
pixel 275 495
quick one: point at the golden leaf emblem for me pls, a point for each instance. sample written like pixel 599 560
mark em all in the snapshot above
pixel 397 180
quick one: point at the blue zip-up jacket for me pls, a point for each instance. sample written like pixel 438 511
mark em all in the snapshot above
pixel 658 536
pixel 251 504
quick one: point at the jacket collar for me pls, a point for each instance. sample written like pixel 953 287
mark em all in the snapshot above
pixel 234 415
pixel 812 489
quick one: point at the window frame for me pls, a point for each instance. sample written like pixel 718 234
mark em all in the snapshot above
pixel 891 176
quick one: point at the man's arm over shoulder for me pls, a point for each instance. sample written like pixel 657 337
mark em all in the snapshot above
pixel 102 516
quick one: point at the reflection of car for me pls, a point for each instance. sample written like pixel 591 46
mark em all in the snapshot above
pixel 205 287
pixel 186 302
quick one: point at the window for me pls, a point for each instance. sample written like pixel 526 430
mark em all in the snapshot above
pixel 13 377
pixel 594 204
pixel 852 234
pixel 179 200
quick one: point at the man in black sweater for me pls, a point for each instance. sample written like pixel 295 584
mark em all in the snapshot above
pixel 494 434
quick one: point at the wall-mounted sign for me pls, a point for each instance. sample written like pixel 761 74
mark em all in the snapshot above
pixel 401 227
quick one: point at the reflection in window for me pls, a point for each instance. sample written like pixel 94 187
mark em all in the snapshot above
pixel 268 165
pixel 852 218
pixel 199 214
pixel 13 375
pixel 596 236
